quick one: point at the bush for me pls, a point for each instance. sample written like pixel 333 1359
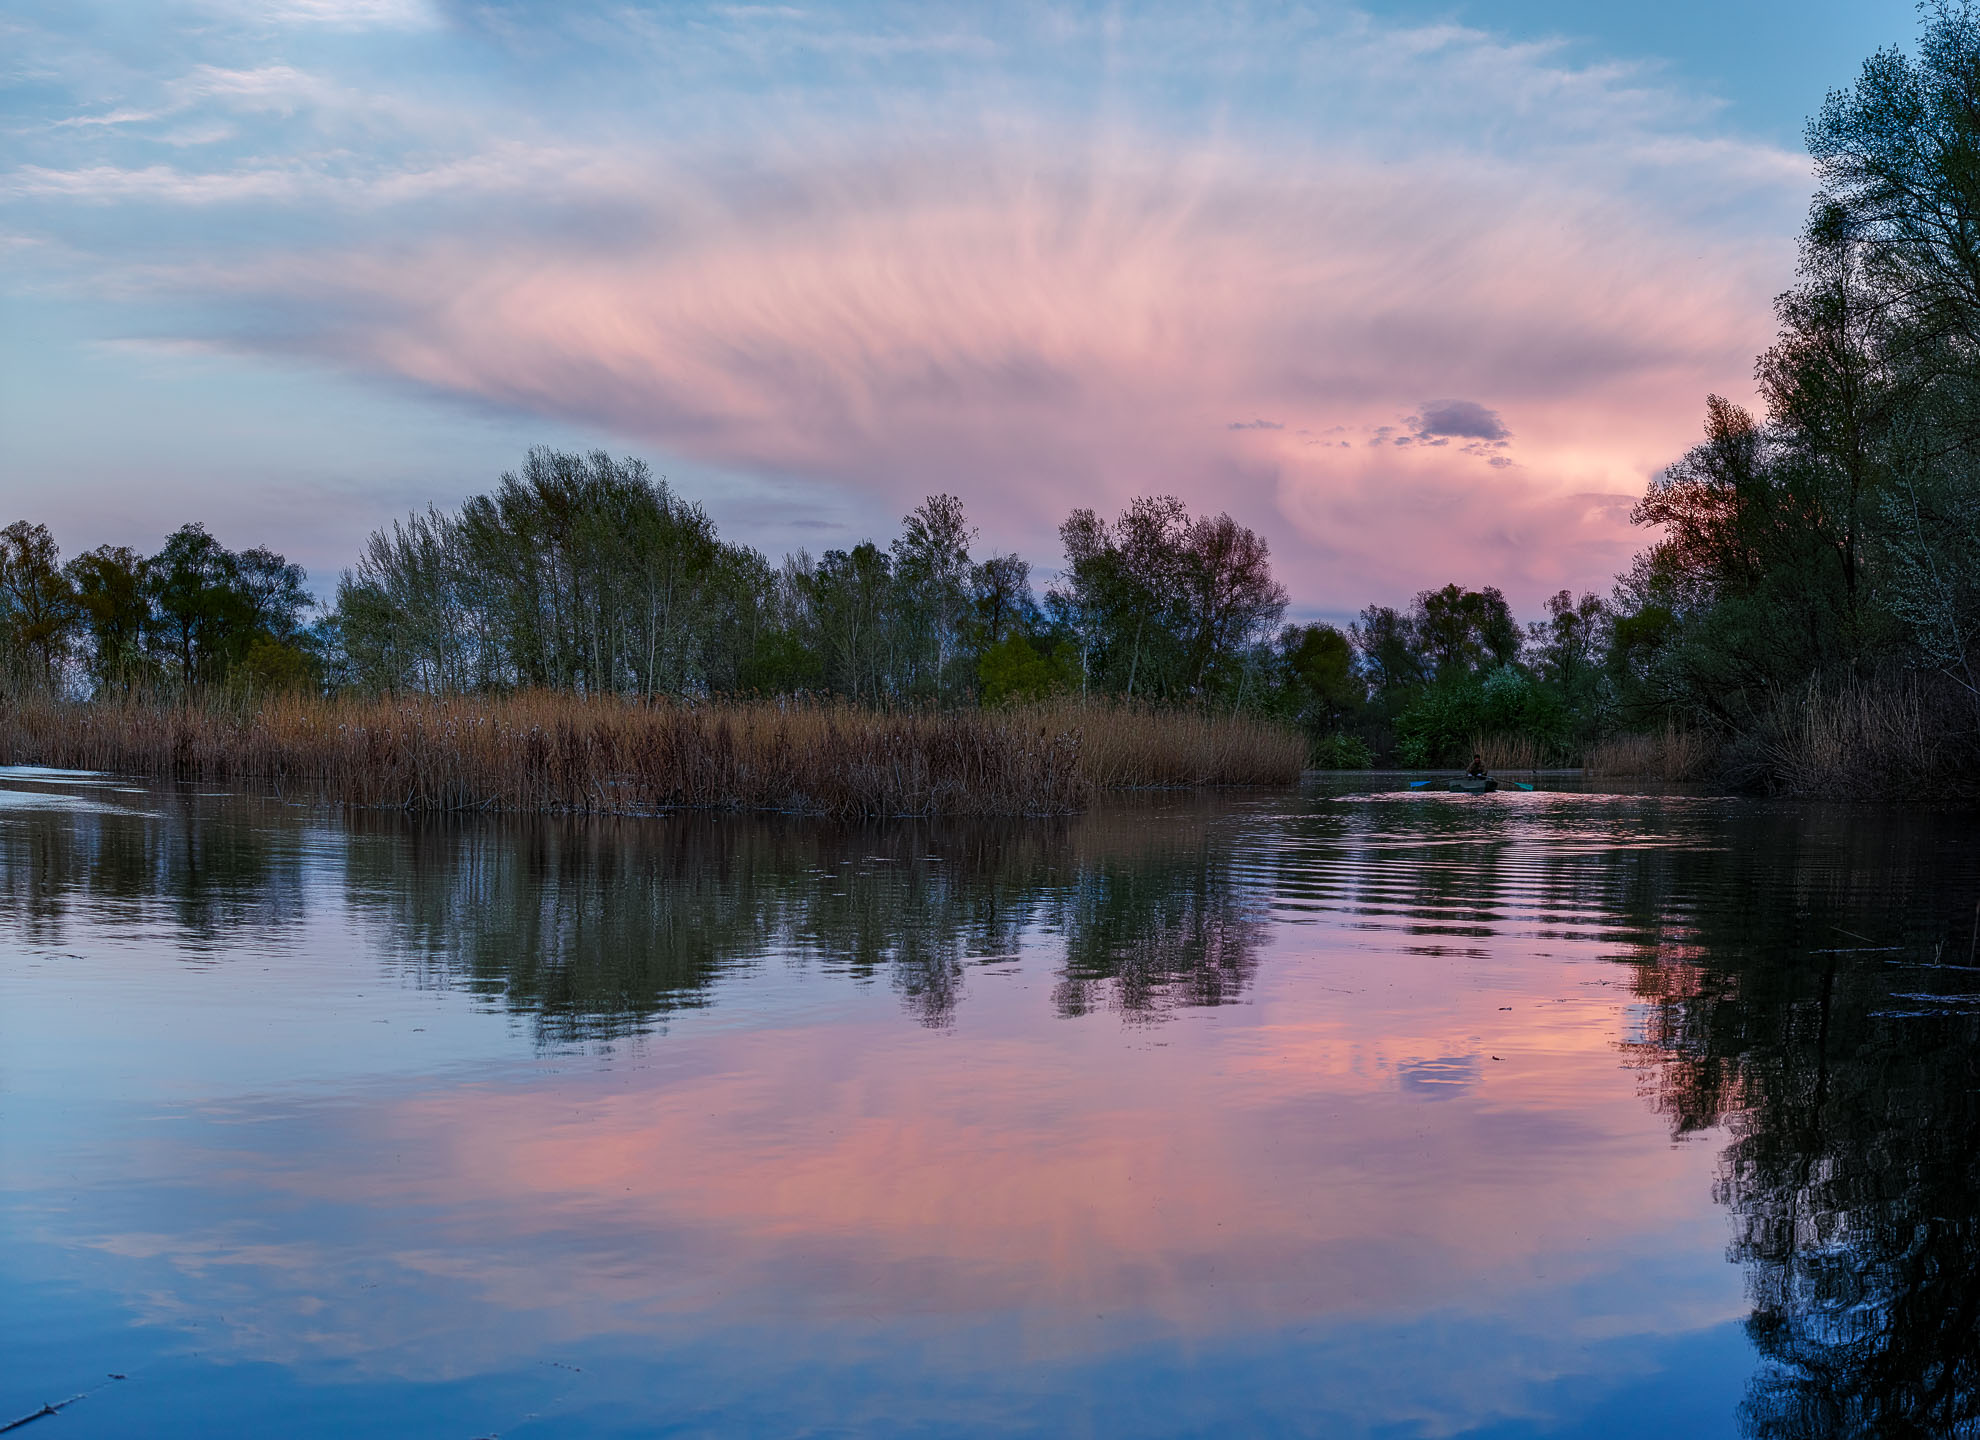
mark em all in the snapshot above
pixel 1341 751
pixel 1014 670
pixel 1442 726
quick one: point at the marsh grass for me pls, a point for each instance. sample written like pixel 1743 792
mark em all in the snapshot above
pixel 1668 754
pixel 1508 752
pixel 1141 747
pixel 561 753
pixel 1889 737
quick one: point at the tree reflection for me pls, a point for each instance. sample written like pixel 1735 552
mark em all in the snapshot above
pixel 217 876
pixel 1839 1040
pixel 590 929
pixel 593 929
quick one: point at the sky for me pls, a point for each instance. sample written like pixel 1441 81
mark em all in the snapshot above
pixel 1422 292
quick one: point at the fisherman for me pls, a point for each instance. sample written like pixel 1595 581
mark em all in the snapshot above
pixel 1477 770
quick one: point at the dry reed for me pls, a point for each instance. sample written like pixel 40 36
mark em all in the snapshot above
pixel 1139 747
pixel 1897 736
pixel 1508 752
pixel 552 752
pixel 1670 754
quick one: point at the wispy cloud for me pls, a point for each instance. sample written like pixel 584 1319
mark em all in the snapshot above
pixel 1019 328
pixel 886 250
pixel 334 14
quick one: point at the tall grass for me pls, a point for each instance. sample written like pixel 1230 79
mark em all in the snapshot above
pixel 1669 754
pixel 1508 752
pixel 554 752
pixel 1134 746
pixel 1897 735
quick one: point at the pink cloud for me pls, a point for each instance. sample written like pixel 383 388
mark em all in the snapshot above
pixel 1033 333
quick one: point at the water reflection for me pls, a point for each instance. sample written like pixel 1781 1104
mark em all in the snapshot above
pixel 1839 1040
pixel 125 855
pixel 598 929
pixel 1401 1163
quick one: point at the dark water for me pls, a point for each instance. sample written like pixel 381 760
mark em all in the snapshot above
pixel 1559 1114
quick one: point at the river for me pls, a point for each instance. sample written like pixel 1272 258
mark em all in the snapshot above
pixel 1331 1113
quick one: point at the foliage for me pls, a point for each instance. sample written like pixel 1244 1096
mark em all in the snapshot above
pixel 1161 605
pixel 1446 722
pixel 584 573
pixel 38 608
pixel 185 619
pixel 1831 542
pixel 1014 669
pixel 1341 751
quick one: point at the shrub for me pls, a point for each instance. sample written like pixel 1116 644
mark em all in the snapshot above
pixel 1013 669
pixel 1443 725
pixel 1341 751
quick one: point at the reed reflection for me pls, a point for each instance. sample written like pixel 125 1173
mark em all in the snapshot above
pixel 596 930
pixel 215 874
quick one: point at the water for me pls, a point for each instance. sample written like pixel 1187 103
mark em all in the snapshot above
pixel 1392 1115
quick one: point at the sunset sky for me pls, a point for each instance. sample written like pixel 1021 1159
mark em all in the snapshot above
pixel 1423 292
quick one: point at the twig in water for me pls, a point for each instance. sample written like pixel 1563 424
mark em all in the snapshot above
pixel 48 1410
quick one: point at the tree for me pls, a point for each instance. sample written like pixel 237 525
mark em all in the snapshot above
pixel 111 586
pixel 1229 597
pixel 1001 600
pixel 1459 632
pixel 1830 396
pixel 1161 605
pixel 1568 647
pixel 1328 692
pixel 850 594
pixel 932 579
pixel 37 604
pixel 210 606
pixel 1385 639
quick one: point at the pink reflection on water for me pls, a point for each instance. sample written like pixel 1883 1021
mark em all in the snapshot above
pixel 1377 1137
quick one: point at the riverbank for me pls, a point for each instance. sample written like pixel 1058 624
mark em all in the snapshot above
pixel 543 752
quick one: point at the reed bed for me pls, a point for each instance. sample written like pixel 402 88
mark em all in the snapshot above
pixel 1669 754
pixel 1893 737
pixel 1508 752
pixel 1139 747
pixel 559 753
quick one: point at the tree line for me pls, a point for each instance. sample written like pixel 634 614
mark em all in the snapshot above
pixel 582 572
pixel 112 621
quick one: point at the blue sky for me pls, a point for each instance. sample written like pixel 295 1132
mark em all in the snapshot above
pixel 292 267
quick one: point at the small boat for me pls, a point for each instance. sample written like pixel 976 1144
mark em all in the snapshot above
pixel 1473 784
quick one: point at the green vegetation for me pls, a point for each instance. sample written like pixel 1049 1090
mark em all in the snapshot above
pixel 1827 557
pixel 194 616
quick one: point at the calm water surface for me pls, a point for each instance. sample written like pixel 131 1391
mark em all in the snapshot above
pixel 1318 1114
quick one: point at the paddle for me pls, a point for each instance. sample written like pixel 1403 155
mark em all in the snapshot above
pixel 1418 784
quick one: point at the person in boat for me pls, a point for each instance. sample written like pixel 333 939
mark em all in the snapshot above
pixel 1477 770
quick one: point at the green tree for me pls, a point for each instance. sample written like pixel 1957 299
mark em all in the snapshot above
pixel 851 595
pixel 111 587
pixel 1165 606
pixel 1328 691
pixel 1459 632
pixel 38 608
pixel 932 573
